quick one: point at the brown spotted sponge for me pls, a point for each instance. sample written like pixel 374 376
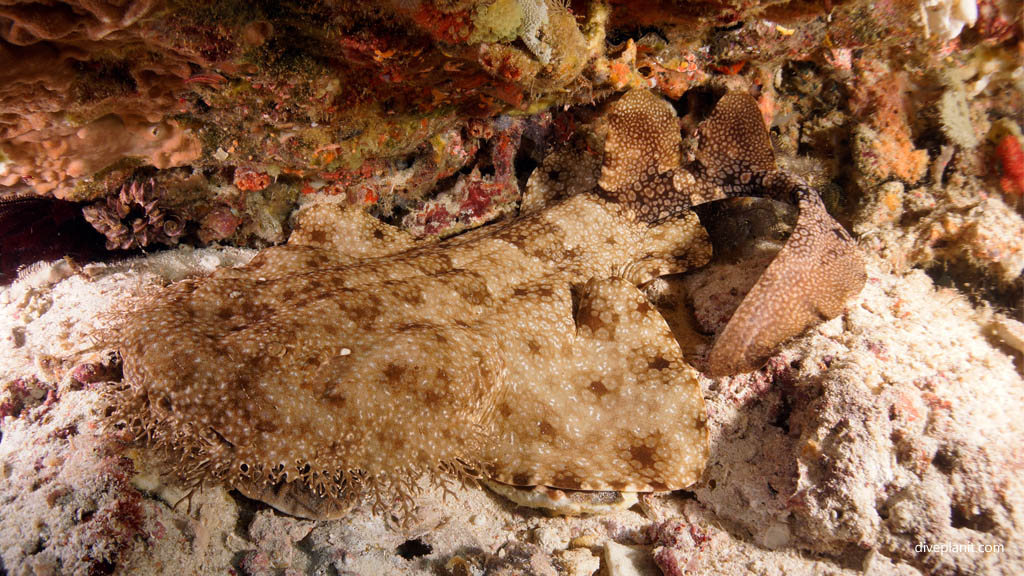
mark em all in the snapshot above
pixel 353 362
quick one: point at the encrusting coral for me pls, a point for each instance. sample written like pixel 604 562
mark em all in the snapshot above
pixel 508 353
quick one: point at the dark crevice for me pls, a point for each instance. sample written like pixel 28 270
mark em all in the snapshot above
pixel 485 169
pixel 781 419
pixel 729 27
pixel 970 280
pixel 449 182
pixel 102 568
pixel 236 560
pixel 981 522
pixel 625 33
pixel 405 162
pixel 697 102
pixel 524 165
pixel 413 549
pixel 35 229
pixel 247 509
pixel 945 460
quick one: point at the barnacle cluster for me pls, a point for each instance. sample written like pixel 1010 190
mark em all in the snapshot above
pixel 133 218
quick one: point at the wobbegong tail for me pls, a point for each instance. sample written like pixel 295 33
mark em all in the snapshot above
pixel 814 274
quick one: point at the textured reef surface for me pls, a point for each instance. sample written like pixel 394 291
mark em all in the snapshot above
pixel 557 192
pixel 353 361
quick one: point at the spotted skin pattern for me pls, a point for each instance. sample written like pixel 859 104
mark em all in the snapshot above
pixel 813 276
pixel 354 361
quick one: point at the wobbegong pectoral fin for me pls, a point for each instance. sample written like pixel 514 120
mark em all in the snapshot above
pixel 809 281
pixel 613 405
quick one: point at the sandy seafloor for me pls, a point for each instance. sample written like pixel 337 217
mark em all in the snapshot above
pixel 885 441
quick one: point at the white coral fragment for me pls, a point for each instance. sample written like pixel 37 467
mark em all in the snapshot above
pixel 947 18
pixel 956 117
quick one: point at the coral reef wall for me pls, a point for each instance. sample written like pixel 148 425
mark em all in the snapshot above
pixel 232 111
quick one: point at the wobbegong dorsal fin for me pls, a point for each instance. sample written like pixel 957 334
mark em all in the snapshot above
pixel 735 137
pixel 643 141
pixel 641 155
